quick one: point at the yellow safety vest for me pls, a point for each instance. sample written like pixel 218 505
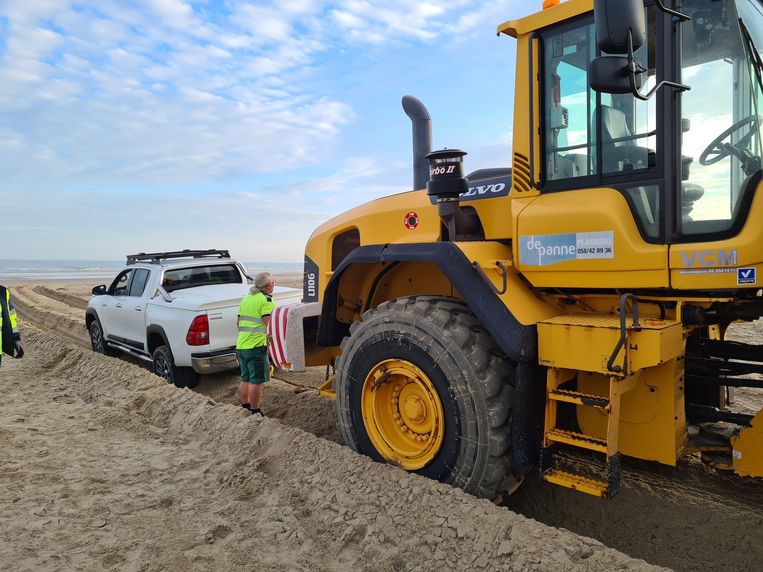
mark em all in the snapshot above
pixel 9 330
pixel 252 332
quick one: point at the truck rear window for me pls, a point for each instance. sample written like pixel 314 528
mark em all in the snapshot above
pixel 179 278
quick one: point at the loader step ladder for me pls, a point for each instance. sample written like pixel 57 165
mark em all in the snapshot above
pixel 608 446
pixel 619 383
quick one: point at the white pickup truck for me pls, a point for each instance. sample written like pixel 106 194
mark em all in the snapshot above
pixel 176 310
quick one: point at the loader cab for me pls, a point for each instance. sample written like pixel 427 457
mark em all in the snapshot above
pixel 592 139
pixel 596 137
pixel 678 138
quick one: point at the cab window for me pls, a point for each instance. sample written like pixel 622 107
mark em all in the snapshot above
pixel 180 278
pixel 139 280
pixel 722 144
pixel 592 139
pixel 568 131
pixel 120 285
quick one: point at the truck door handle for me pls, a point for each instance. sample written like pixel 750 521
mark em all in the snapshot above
pixel 138 309
pixel 118 305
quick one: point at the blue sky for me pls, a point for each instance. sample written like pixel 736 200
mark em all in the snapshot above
pixel 146 125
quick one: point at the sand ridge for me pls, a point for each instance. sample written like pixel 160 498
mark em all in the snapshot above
pixel 109 467
pixel 688 518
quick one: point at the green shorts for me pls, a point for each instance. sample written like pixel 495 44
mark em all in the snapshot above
pixel 254 363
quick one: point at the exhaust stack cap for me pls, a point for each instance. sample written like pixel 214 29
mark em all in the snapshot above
pixel 446 175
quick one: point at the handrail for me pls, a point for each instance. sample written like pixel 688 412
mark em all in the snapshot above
pixel 504 276
pixel 623 334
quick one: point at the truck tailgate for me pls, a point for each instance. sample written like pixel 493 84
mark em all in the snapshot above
pixel 221 303
pixel 222 327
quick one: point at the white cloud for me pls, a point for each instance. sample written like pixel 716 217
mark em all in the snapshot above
pixel 158 93
pixel 264 23
pixel 164 76
pixel 173 9
pixel 348 20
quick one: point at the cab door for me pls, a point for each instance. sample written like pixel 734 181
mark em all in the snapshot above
pixel 599 219
pixel 720 240
pixel 133 314
pixel 110 308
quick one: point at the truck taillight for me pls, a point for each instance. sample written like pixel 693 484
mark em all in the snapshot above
pixel 198 333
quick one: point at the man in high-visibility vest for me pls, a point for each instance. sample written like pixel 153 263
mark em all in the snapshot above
pixel 10 338
pixel 252 344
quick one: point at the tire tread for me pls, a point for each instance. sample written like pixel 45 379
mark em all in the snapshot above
pixel 484 467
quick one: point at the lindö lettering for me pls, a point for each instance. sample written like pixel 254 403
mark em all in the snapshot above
pixel 311 283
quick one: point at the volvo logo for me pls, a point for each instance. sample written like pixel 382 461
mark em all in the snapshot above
pixel 480 190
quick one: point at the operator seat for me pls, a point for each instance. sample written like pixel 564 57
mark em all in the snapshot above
pixel 619 149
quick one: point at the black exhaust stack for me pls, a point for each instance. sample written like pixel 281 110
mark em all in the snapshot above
pixel 446 183
pixel 422 139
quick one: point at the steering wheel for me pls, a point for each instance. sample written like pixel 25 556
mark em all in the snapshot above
pixel 718 150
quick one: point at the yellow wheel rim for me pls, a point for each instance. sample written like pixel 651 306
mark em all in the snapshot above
pixel 402 413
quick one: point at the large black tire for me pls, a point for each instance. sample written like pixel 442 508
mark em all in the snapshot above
pixel 473 380
pixel 97 341
pixel 164 367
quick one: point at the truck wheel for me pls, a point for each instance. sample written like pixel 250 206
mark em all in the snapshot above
pixel 164 367
pixel 421 385
pixel 97 341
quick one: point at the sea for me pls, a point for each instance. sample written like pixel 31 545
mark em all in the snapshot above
pixel 45 270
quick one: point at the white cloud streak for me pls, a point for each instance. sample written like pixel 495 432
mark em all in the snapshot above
pixel 157 93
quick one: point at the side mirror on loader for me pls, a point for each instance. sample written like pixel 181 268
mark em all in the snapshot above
pixel 615 21
pixel 620 31
pixel 612 74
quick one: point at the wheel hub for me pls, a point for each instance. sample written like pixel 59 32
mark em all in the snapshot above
pixel 415 409
pixel 403 414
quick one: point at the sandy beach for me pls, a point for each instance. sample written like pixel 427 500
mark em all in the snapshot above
pixel 105 466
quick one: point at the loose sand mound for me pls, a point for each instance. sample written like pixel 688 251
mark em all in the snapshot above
pixel 688 518
pixel 107 466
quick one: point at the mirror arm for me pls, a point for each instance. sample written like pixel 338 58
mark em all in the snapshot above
pixel 634 67
pixel 679 15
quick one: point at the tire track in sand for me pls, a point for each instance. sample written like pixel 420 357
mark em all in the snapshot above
pixel 107 467
pixel 688 518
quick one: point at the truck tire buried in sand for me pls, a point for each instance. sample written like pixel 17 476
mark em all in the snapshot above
pixel 97 342
pixel 164 367
pixel 421 385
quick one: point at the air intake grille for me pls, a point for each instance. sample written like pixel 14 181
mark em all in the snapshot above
pixel 521 174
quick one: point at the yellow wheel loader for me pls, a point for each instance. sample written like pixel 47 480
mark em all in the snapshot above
pixel 481 325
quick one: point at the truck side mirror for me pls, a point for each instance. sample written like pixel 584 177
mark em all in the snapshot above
pixel 99 290
pixel 614 21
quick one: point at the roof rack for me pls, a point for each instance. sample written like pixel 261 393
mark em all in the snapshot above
pixel 157 257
